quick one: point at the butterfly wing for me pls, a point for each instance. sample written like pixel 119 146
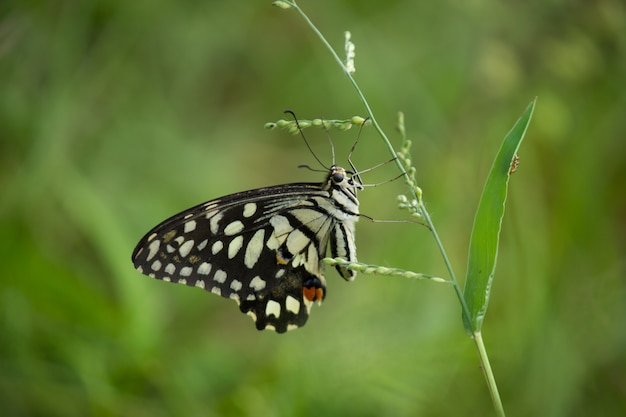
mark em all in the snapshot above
pixel 261 248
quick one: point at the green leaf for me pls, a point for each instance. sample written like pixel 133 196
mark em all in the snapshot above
pixel 483 249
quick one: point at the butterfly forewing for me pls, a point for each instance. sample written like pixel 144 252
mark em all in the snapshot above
pixel 262 248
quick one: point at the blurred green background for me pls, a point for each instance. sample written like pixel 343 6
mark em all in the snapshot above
pixel 115 115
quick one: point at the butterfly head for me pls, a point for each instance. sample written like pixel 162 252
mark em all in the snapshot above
pixel 339 177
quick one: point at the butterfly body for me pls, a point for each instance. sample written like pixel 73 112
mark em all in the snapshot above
pixel 262 248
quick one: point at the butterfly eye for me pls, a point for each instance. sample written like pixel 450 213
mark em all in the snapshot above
pixel 338 177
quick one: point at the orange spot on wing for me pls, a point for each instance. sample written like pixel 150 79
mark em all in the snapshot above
pixel 280 259
pixel 320 295
pixel 313 294
pixel 309 293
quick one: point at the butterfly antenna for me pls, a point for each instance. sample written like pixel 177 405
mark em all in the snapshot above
pixel 304 138
pixel 312 169
pixel 330 140
pixel 377 166
pixel 357 173
pixel 383 182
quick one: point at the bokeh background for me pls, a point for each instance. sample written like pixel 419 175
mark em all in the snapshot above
pixel 116 114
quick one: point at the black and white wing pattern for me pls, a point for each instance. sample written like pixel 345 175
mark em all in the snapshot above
pixel 262 248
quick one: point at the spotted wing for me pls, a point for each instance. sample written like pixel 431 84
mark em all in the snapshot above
pixel 261 248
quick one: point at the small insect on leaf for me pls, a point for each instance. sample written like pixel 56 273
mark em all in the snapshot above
pixel 514 164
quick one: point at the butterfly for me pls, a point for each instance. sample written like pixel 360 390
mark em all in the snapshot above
pixel 262 248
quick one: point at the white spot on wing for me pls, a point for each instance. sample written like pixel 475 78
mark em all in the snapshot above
pixel 272 308
pixel 220 276
pixel 156 265
pixel 185 248
pixel 297 260
pixel 281 227
pixel 216 247
pixel 293 305
pixel 204 268
pixel 190 226
pixel 214 223
pixel 297 241
pixel 312 259
pixel 202 244
pixel 312 253
pixel 170 269
pixel 233 228
pixel 236 285
pixel 153 249
pixel 216 290
pixel 185 271
pixel 200 283
pixel 272 242
pixel 257 283
pixel 254 248
pixel 235 246
pixel 249 209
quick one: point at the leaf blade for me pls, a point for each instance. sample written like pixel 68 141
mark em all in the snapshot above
pixel 483 250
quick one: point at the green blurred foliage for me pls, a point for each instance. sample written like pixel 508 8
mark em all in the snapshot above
pixel 115 115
